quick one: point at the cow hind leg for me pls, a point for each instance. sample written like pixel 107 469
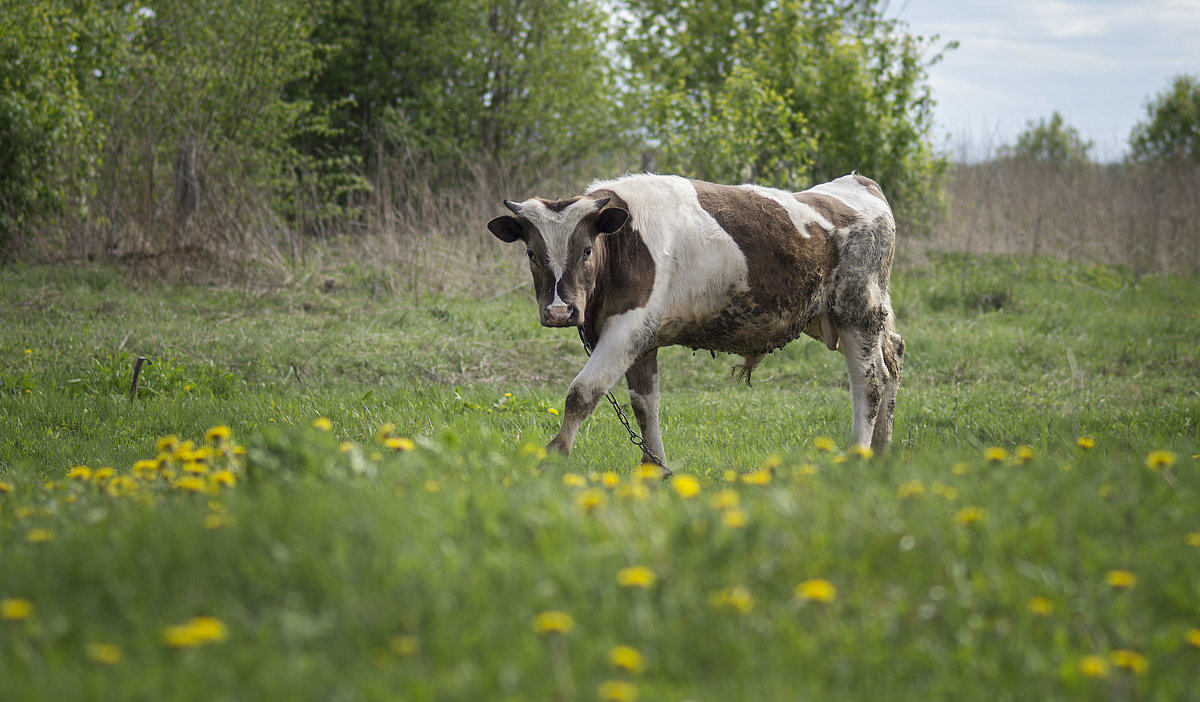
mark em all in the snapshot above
pixel 642 378
pixel 893 362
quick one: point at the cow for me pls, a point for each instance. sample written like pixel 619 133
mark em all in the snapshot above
pixel 646 261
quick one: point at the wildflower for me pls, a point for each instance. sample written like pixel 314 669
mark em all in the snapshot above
pixel 198 631
pixel 948 492
pixel 194 468
pixel 1192 539
pixel 107 654
pixel 223 478
pixel 1120 579
pixel 970 515
pixel 15 609
pixel 806 469
pixel 960 468
pixel 191 483
pixel 80 473
pixel 1130 660
pixel 686 486
pixel 772 461
pixel 385 431
pixel 40 536
pixel 553 411
pixel 910 488
pixel 591 500
pixel 1192 636
pixel 734 518
pixel 758 477
pixel 824 444
pixel 552 622
pixel 730 476
pixel 725 499
pixel 399 443
pixel 610 479
pixel 432 486
pixel 626 658
pixel 216 521
pixel 146 468
pixel 636 576
pixel 574 480
pixel 1094 666
pixel 1086 443
pixel 218 433
pixel 6 487
pixel 28 351
pixel 736 598
pixel 120 485
pixel 635 490
pixel 404 646
pixel 534 450
pixel 101 474
pixel 1157 460
pixel 816 591
pixel 1023 454
pixel 617 691
pixel 995 454
pixel 167 444
pixel 649 471
pixel 861 451
pixel 1041 606
pixel 345 447
pixel 322 423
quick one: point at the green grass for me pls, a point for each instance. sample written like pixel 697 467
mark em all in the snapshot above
pixel 342 568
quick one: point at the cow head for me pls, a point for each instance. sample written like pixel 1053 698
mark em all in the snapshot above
pixel 565 246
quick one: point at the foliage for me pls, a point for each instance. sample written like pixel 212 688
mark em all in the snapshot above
pixel 1171 131
pixel 1052 141
pixel 445 556
pixel 788 93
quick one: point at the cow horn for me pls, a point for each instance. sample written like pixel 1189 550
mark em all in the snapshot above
pixel 602 202
pixel 514 206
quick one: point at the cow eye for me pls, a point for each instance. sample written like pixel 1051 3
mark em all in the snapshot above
pixel 587 252
pixel 529 253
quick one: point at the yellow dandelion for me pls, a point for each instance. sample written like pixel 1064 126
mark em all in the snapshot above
pixel 636 576
pixel 28 351
pixel 6 487
pixel 910 488
pixel 960 468
pixel 167 444
pixel 552 411
pixel 198 631
pixel 970 515
pixel 1192 636
pixel 552 622
pixel 432 486
pixel 824 444
pixel 102 474
pixel 404 646
pixel 223 478
pixel 995 454
pixel 40 536
pixel 943 490
pixel 1086 443
pixel 734 518
pixel 736 598
pixel 816 591
pixel 322 424
pixel 1120 579
pixel 218 433
pixel 772 461
pixel 610 479
pixel 386 430
pixel 1192 539
pixel 805 470
pixel 758 477
pixel 725 499
pixel 730 476
pixel 217 521
pixel 1093 666
pixel 195 468
pixel 1023 454
pixel 686 486
pixel 635 490
pixel 399 443
pixel 1130 660
pixel 591 500
pixel 146 468
pixel 80 473
pixel 574 480
pixel 1157 460
pixel 626 658
pixel 617 691
pixel 861 451
pixel 1041 606
pixel 190 483
pixel 15 609
pixel 345 446
pixel 103 653
pixel 649 472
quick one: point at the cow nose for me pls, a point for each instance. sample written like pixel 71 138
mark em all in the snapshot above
pixel 558 313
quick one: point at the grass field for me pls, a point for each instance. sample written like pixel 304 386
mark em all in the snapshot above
pixel 379 522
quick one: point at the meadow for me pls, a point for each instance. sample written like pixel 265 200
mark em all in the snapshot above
pixel 326 488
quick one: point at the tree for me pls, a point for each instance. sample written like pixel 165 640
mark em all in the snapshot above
pixel 1171 132
pixel 1051 141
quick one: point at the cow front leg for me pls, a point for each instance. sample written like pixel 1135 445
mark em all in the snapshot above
pixel 864 365
pixel 642 378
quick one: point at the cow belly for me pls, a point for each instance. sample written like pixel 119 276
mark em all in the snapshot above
pixel 742 327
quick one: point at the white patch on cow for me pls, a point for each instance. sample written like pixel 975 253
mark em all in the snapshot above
pixel 696 262
pixel 801 214
pixel 556 229
pixel 850 191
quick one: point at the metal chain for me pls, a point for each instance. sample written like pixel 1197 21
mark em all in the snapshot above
pixel 634 438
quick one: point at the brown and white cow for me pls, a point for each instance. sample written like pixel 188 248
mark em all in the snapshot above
pixel 647 261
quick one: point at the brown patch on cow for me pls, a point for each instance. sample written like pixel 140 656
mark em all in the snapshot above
pixel 871 186
pixel 839 214
pixel 626 270
pixel 559 205
pixel 785 269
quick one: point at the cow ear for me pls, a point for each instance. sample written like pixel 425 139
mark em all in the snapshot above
pixel 507 228
pixel 611 220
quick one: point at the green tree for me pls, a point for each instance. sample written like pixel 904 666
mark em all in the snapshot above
pixel 788 92
pixel 1171 131
pixel 1052 141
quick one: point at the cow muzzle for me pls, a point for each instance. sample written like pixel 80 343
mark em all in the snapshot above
pixel 561 316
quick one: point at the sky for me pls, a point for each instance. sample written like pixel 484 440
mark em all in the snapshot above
pixel 1097 63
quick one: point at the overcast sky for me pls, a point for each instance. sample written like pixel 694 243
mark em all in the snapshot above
pixel 1096 62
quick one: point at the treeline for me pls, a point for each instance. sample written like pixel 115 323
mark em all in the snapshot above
pixel 166 127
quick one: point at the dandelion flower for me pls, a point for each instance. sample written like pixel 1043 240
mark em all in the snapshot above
pixel 574 480
pixel 816 591
pixel 1157 460
pixel 1120 579
pixel 39 536
pixel 734 518
pixel 323 424
pixel 617 691
pixel 1192 636
pixel 106 654
pixel 1130 660
pixel 824 444
pixel 552 622
pixel 1192 539
pixel 591 500
pixel 198 631
pixel 995 454
pixel 218 433
pixel 1023 454
pixel 610 479
pixel 758 477
pixel 432 486
pixel 861 451
pixel 15 609
pixel 910 488
pixel 648 472
pixel 960 468
pixel 80 473
pixel 404 646
pixel 166 444
pixel 970 515
pixel 686 486
pixel 730 476
pixel 190 483
pixel 626 658
pixel 772 461
pixel 1086 443
pixel 101 474
pixel 1041 606
pixel 399 443
pixel 1094 666
pixel 6 487
pixel 552 411
pixel 636 576
pixel 736 598
pixel 223 478
pixel 725 499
